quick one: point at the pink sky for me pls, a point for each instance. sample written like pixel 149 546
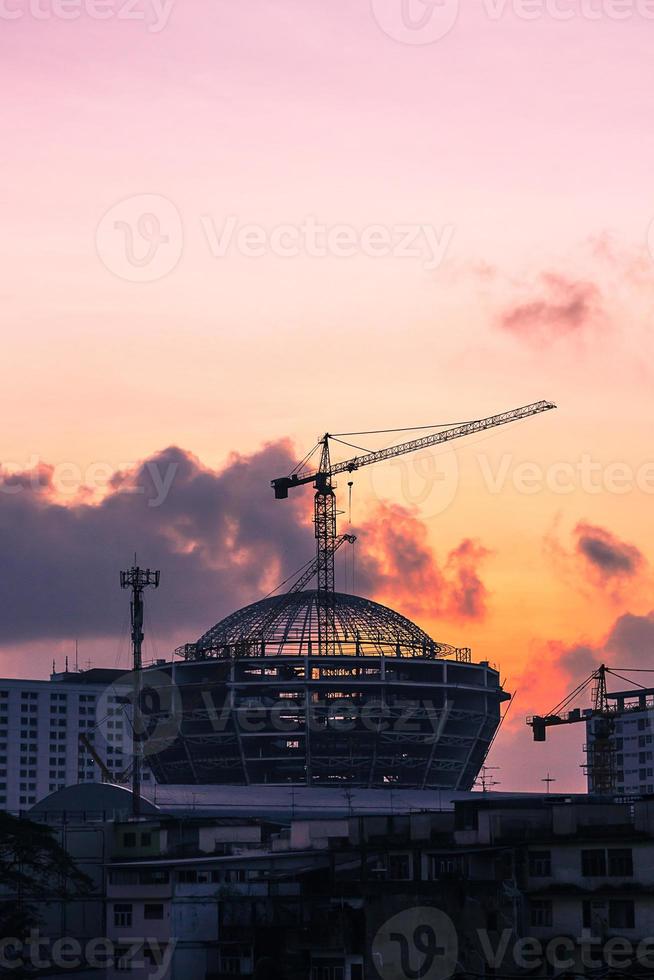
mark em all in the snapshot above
pixel 525 145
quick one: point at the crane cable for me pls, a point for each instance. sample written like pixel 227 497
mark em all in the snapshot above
pixel 408 428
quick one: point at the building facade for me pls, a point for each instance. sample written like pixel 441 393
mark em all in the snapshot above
pixel 47 728
pixel 624 741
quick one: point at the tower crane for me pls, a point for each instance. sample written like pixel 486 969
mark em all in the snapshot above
pixel 325 499
pixel 600 764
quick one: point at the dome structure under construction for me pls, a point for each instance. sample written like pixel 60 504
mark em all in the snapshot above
pixel 322 689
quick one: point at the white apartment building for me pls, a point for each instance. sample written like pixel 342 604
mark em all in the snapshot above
pixel 43 728
pixel 631 736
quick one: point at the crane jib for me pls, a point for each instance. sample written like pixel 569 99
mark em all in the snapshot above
pixel 468 428
pixel 282 484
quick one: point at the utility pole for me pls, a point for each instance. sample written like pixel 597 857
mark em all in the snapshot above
pixel 137 580
pixel 548 780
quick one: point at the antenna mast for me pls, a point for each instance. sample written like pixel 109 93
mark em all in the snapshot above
pixel 137 580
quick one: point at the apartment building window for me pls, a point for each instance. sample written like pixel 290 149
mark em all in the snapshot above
pixel 320 971
pixel 153 911
pixel 154 877
pixel 129 840
pixel 593 863
pixel 621 913
pixel 187 877
pixel 541 912
pixel 621 863
pixel 123 916
pixel 540 864
pixel 399 867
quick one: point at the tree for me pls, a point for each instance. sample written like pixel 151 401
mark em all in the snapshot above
pixel 33 866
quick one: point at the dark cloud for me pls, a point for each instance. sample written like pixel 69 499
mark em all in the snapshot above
pixel 220 539
pixel 564 307
pixel 629 643
pixel 608 556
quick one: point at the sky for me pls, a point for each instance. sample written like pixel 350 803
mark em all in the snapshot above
pixel 228 227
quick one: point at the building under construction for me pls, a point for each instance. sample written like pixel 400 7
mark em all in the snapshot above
pixel 323 688
pixel 619 732
pixel 388 707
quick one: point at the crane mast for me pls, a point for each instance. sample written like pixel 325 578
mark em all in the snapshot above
pixel 325 498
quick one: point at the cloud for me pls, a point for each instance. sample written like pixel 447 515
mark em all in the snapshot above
pixel 219 537
pixel 565 307
pixel 399 566
pixel 629 643
pixel 607 555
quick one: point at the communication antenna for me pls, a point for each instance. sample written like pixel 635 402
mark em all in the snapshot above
pixel 485 780
pixel 137 580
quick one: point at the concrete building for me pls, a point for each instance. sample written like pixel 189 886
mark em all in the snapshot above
pixel 629 733
pixel 43 725
pixel 500 885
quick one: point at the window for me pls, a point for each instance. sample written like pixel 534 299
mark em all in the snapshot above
pixel 146 839
pixel 621 864
pixel 399 867
pixel 153 911
pixel 129 840
pixel 187 877
pixel 541 912
pixel 621 913
pixel 540 864
pixel 123 916
pixel 154 877
pixel 327 972
pixel 593 863
pixel 446 864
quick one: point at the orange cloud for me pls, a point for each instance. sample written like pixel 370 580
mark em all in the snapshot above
pixel 400 566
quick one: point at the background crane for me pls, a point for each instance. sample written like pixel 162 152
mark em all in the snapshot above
pixel 600 720
pixel 325 499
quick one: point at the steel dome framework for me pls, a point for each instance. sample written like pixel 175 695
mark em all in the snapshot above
pixel 290 625
pixel 390 707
